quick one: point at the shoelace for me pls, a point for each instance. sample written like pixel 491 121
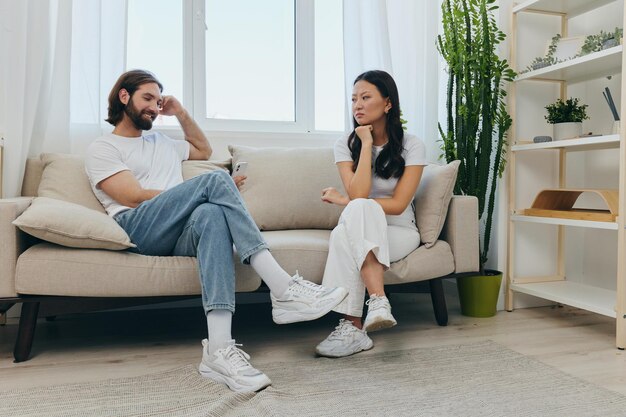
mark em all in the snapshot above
pixel 237 357
pixel 305 287
pixel 376 302
pixel 342 329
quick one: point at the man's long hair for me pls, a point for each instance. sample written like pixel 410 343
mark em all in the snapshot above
pixel 390 161
pixel 130 81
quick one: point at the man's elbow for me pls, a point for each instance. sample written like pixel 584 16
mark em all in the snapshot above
pixel 202 154
pixel 139 197
pixel 131 202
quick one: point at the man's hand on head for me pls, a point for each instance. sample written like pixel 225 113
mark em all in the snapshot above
pixel 170 106
pixel 199 148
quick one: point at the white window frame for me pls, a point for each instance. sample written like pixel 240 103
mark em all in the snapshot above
pixel 194 57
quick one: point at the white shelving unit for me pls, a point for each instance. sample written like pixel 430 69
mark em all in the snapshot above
pixel 587 297
pixel 557 288
pixel 582 144
pixel 564 222
pixel 570 7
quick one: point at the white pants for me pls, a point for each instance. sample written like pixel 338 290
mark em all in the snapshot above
pixel 363 228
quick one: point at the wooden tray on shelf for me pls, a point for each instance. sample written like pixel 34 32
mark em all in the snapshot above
pixel 560 202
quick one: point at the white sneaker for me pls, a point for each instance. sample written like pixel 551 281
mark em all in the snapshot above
pixel 230 366
pixel 304 301
pixel 345 340
pixel 378 314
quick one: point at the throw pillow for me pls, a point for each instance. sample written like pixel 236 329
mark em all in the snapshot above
pixel 433 198
pixel 284 186
pixel 72 225
pixel 64 178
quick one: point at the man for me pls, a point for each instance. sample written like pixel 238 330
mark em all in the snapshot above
pixel 137 178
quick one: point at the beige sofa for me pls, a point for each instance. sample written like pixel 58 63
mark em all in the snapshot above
pixel 73 252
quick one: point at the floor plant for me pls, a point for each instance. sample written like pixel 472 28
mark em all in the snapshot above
pixel 476 117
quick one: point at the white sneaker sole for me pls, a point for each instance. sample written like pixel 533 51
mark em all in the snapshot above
pixel 207 372
pixel 366 346
pixel 286 317
pixel 380 324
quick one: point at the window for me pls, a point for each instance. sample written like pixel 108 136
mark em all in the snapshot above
pixel 245 65
pixel 250 60
pixel 155 43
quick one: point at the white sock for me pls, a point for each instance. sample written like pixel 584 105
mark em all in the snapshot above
pixel 219 323
pixel 270 272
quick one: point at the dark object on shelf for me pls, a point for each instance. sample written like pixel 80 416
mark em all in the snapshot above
pixel 539 139
pixel 611 103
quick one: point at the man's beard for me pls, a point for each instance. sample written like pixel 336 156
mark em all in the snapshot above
pixel 137 118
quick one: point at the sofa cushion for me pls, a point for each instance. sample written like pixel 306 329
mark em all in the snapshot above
pixel 422 264
pixel 304 251
pixel 284 186
pixel 432 200
pixel 72 225
pixel 194 168
pixel 64 178
pixel 54 270
pixel 49 269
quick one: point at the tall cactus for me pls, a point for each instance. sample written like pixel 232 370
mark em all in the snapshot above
pixel 477 120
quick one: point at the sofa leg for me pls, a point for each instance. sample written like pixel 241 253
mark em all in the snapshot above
pixel 26 331
pixel 439 301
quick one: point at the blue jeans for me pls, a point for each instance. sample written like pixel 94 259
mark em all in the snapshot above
pixel 202 217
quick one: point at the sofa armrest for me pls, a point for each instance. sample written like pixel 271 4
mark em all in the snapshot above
pixel 14 242
pixel 461 232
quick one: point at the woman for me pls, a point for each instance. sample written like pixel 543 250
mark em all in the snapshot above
pixel 380 168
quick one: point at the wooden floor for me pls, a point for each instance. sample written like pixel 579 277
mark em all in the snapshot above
pixel 114 344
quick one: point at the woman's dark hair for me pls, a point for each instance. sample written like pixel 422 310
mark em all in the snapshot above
pixel 390 162
pixel 130 81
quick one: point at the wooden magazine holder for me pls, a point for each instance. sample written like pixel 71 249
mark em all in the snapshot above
pixel 560 202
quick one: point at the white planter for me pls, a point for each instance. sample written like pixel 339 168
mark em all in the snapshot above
pixel 567 130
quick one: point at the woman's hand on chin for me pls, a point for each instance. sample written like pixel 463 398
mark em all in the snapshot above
pixel 365 134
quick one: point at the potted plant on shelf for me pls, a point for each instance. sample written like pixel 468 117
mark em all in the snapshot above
pixel 566 117
pixel 601 41
pixel 477 125
pixel 549 59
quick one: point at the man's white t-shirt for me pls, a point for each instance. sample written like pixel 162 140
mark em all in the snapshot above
pixel 153 158
pixel 413 152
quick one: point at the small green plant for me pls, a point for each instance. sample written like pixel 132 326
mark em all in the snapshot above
pixel 403 121
pixel 600 41
pixel 547 60
pixel 540 62
pixel 553 44
pixel 566 111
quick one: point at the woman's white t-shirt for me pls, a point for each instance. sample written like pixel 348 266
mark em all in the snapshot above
pixel 413 152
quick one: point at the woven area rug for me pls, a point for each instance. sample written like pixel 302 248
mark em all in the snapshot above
pixel 483 379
